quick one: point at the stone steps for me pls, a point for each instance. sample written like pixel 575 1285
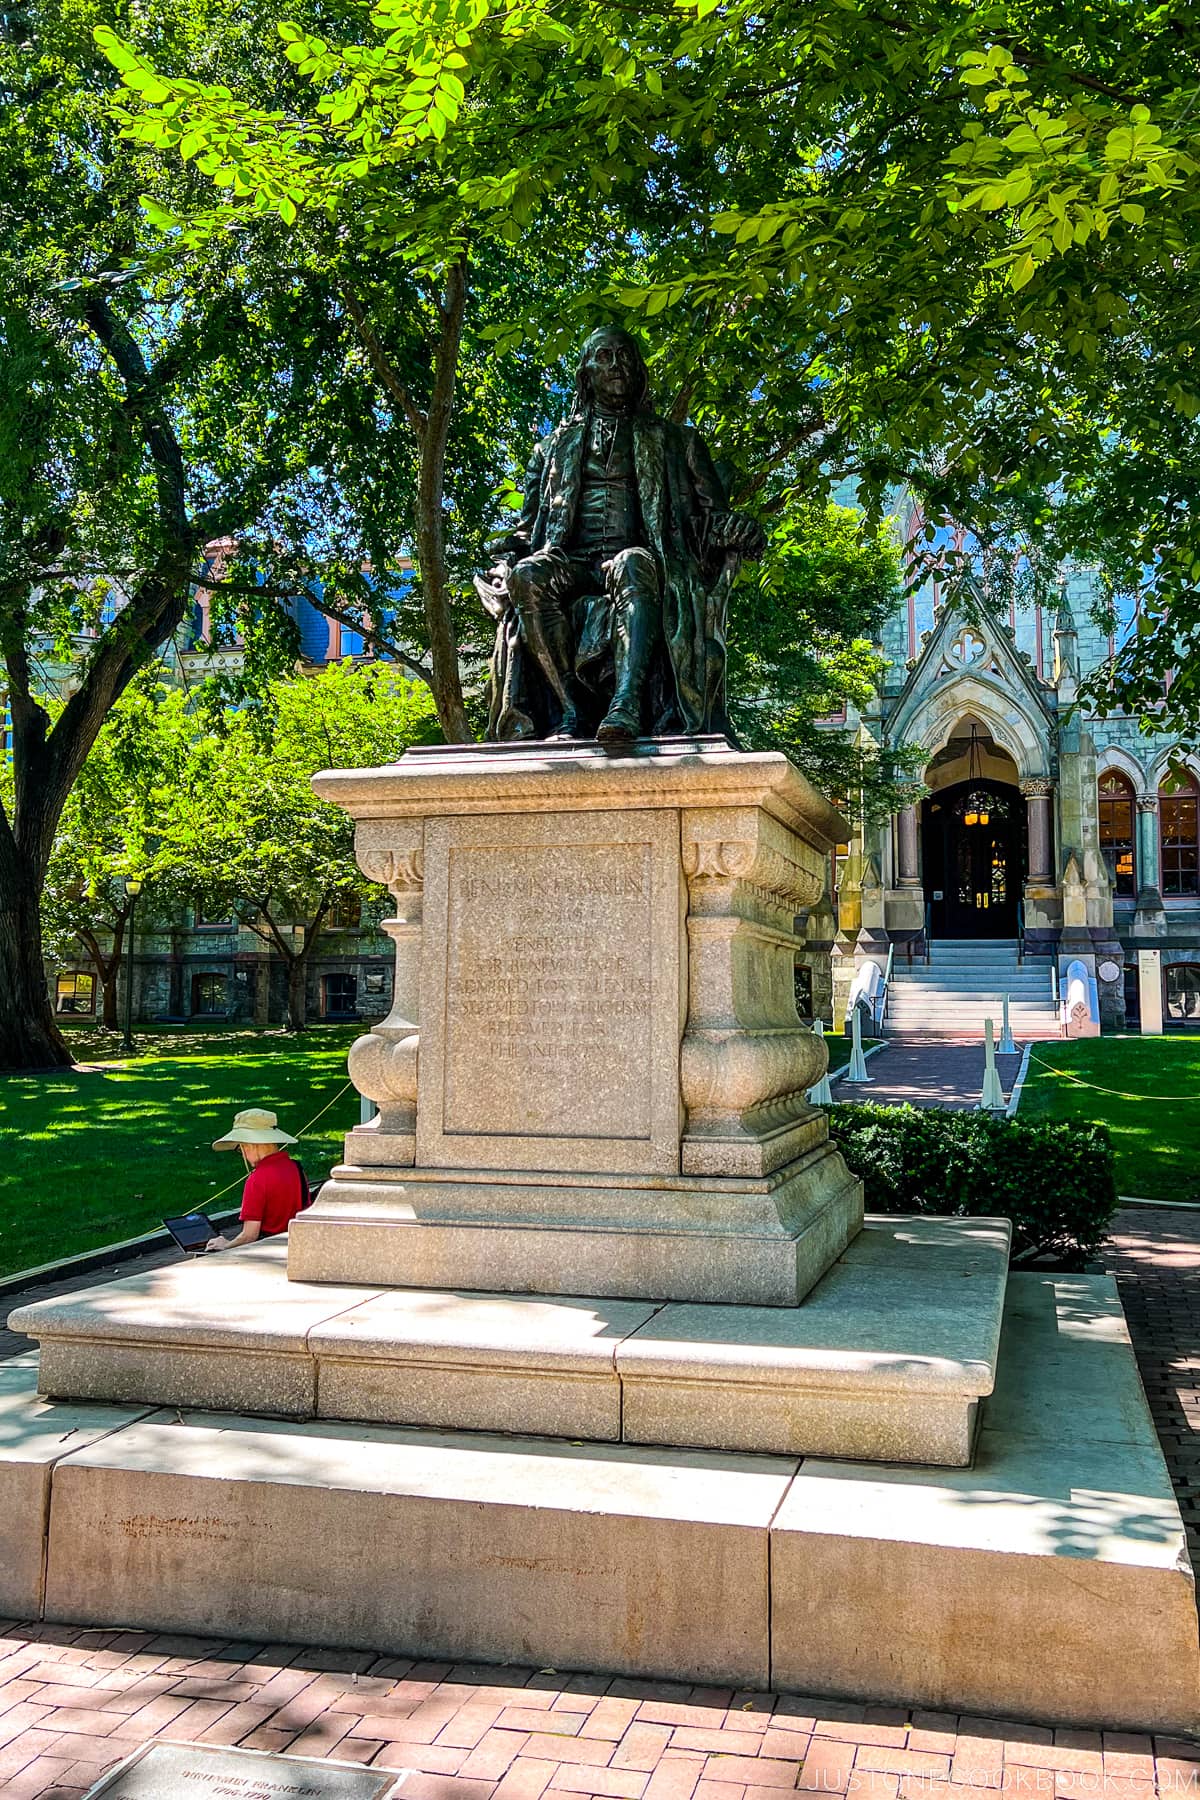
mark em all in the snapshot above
pixel 963 985
pixel 972 987
pixel 823 1577
pixel 888 1357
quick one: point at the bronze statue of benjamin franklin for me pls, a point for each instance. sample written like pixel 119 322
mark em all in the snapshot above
pixel 610 595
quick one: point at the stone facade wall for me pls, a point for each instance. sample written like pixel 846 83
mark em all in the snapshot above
pixel 252 978
pixel 1021 686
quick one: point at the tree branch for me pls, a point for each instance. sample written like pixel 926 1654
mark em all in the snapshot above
pixel 430 525
pixel 276 936
pixel 371 635
pixel 382 364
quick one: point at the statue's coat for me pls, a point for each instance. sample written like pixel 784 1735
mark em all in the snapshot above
pixel 679 491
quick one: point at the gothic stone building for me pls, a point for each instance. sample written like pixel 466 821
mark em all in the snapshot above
pixel 1073 837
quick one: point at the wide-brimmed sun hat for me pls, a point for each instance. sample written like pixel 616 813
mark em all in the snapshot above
pixel 253 1125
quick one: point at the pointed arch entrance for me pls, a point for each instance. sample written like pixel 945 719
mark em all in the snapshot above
pixel 974 837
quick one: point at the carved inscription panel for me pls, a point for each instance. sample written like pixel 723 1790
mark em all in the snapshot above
pixel 555 1020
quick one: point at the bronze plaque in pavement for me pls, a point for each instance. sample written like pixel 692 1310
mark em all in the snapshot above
pixel 166 1771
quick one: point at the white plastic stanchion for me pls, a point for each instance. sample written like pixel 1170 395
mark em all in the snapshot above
pixel 992 1098
pixel 858 1062
pixel 820 1094
pixel 1006 1046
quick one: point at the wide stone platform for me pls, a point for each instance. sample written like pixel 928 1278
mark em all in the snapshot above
pixel 887 1358
pixel 1050 1581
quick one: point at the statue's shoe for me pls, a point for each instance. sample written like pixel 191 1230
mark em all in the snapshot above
pixel 618 726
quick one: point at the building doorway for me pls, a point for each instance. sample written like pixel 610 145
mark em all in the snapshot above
pixel 974 859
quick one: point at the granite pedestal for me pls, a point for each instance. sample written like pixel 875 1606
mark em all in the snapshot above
pixel 593 1078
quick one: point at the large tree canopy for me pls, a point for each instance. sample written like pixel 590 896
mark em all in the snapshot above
pixel 311 285
pixel 130 437
pixel 950 244
pixel 150 406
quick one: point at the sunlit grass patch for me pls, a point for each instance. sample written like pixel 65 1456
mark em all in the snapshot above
pixel 1146 1090
pixel 91 1155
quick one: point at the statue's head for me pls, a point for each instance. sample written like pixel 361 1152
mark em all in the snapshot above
pixel 612 372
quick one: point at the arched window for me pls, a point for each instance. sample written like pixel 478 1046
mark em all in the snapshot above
pixel 1116 832
pixel 1180 839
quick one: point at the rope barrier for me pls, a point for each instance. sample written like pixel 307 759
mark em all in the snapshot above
pixel 238 1179
pixel 1116 1093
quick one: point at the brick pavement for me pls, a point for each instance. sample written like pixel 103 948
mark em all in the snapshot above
pixel 1154 1253
pixel 927 1072
pixel 72 1702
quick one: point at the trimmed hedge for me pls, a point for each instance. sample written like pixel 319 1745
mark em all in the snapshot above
pixel 1056 1182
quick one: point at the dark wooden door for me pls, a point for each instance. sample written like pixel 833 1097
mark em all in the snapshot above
pixel 974 859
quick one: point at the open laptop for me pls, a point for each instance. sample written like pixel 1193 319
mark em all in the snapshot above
pixel 192 1232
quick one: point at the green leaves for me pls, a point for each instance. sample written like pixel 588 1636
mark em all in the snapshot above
pixel 1064 172
pixel 137 74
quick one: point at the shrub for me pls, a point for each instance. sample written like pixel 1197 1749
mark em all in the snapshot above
pixel 1054 1181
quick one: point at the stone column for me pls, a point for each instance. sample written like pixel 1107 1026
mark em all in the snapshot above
pixel 383 1064
pixel 1148 869
pixel 906 843
pixel 1149 918
pixel 1038 795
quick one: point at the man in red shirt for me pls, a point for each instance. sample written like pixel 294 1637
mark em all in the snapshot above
pixel 275 1189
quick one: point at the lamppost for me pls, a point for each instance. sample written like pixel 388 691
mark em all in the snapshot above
pixel 133 888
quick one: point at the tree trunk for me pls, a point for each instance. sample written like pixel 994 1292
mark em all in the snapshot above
pixel 430 520
pixel 431 431
pixel 297 993
pixel 107 968
pixel 29 1037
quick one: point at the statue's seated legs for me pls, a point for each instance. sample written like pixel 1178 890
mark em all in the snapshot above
pixel 632 587
pixel 541 588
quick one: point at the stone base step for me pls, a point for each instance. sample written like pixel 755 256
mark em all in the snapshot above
pixel 981 947
pixel 989 982
pixel 1034 1016
pixel 759 1237
pixel 986 1006
pixel 1049 1582
pixel 887 1358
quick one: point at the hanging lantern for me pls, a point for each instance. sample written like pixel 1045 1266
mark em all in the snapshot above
pixel 977 812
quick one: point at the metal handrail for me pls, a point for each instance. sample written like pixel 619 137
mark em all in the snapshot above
pixel 885 991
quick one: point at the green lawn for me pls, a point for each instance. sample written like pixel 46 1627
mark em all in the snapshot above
pixel 99 1154
pixel 1154 1116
